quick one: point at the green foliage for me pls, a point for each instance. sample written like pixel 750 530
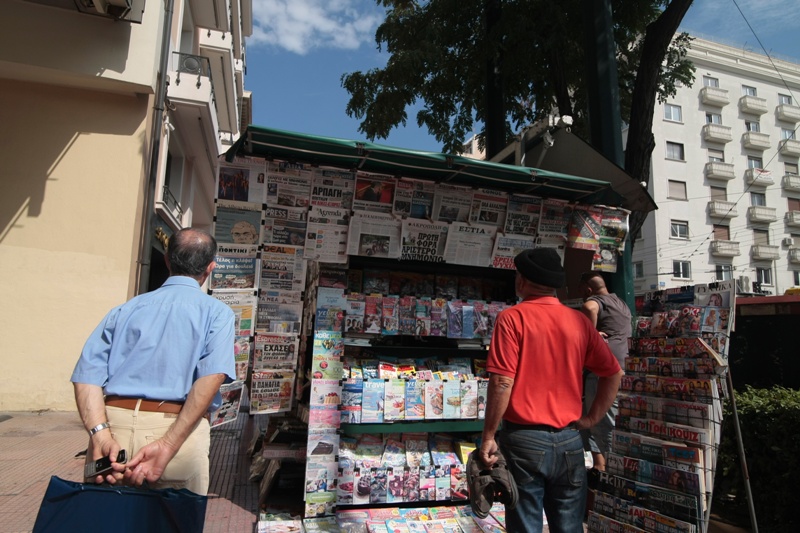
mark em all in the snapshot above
pixel 440 51
pixel 769 419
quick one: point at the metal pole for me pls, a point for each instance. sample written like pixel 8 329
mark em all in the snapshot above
pixel 750 505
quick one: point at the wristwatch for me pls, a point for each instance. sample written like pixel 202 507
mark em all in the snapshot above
pixel 98 427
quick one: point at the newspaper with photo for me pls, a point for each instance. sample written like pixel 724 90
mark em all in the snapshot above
pixel 288 184
pixel 555 218
pixel 374 235
pixel 507 247
pixel 275 351
pixel 523 214
pixel 489 207
pixel 470 244
pixel 280 317
pixel 423 241
pixel 237 222
pixel 451 203
pixel 584 228
pixel 271 392
pixel 243 304
pixel 284 225
pixel 333 188
pixel 242 181
pixel 326 238
pixel 236 268
pixel 283 268
pixel 228 410
pixel 374 192
pixel 413 198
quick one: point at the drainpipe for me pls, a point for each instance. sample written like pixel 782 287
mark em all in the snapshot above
pixel 148 213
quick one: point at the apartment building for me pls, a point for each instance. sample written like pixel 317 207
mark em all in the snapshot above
pixel 725 177
pixel 114 114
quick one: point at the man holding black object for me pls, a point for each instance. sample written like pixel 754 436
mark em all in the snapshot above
pixel 537 355
pixel 149 375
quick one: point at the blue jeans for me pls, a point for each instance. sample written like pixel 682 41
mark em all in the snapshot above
pixel 550 473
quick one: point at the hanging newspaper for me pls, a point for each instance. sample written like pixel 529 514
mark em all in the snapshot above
pixel 277 317
pixel 555 242
pixel 489 207
pixel 285 225
pixel 414 198
pixel 274 351
pixel 374 235
pixel 237 222
pixel 451 203
pixel 243 305
pixel 523 214
pixel 556 215
pixel 282 268
pixel 326 237
pixel 231 400
pixel 242 352
pixel 333 188
pixel 506 248
pixel 423 241
pixel 271 392
pixel 237 268
pixel 242 181
pixel 470 244
pixel 614 227
pixel 288 184
pixel 374 192
pixel 584 229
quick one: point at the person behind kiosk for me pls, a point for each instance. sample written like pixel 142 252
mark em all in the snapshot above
pixel 159 359
pixel 612 318
pixel 537 356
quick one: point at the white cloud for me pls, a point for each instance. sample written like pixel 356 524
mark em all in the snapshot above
pixel 300 26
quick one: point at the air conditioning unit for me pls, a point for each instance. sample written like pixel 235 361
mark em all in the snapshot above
pixel 743 284
pixel 788 241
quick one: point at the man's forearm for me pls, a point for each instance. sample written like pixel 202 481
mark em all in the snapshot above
pixel 91 405
pixel 497 397
pixel 196 406
pixel 607 388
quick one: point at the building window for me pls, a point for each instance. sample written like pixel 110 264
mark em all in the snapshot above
pixel 713 118
pixel 679 229
pixel 675 151
pixel 754 162
pixel 795 241
pixel 764 275
pixel 719 194
pixel 716 156
pixel 682 269
pixel 761 237
pixel 796 274
pixel 708 81
pixel 672 112
pixel 722 233
pixel 723 272
pixel 638 270
pixel 749 91
pixel 794 204
pixel 752 125
pixel 784 99
pixel 677 190
pixel 790 168
pixel 758 198
pixel 787 134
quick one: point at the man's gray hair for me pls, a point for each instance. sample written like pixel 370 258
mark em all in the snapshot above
pixel 190 251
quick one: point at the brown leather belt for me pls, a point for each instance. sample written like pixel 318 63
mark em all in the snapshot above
pixel 150 406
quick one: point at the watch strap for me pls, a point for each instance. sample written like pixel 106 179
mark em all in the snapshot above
pixel 97 428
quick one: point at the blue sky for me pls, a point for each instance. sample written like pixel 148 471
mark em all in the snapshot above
pixel 300 49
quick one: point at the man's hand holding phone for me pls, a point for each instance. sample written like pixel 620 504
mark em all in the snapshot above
pixel 103 469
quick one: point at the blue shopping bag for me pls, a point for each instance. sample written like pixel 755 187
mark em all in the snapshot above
pixel 87 507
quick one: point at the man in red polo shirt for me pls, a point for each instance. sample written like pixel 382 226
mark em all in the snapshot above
pixel 538 352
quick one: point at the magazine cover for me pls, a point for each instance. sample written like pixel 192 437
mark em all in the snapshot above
pixel 288 184
pixel 243 304
pixel 333 188
pixel 242 354
pixel 352 398
pixel 231 400
pixel 354 313
pixel 243 181
pixel 584 228
pixel 372 404
pixel 325 392
pixel 236 268
pixel 237 222
pixel 422 315
pixel 434 399
pixel 390 315
pixel 423 241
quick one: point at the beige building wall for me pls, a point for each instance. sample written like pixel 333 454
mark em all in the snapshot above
pixel 72 181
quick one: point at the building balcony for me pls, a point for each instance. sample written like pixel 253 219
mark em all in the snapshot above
pixel 720 209
pixel 760 213
pixel 758 176
pixel 791 182
pixel 216 46
pixel 725 248
pixel 764 252
pixel 717 133
pixel 790 147
pixel 753 105
pixel 794 255
pixel 755 140
pixel 211 14
pixel 792 218
pixel 714 96
pixel 719 171
pixel 788 113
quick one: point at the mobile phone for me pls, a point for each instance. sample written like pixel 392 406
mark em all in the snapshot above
pixel 102 465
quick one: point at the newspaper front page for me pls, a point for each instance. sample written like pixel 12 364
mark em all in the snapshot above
pixel 333 188
pixel 451 203
pixel 556 216
pixel 374 235
pixel 326 237
pixel 274 351
pixel 289 184
pixel 374 192
pixel 243 180
pixel 236 268
pixel 237 222
pixel 506 248
pixel 231 400
pixel 523 215
pixel 414 198
pixel 285 225
pixel 243 304
pixel 423 241
pixel 282 268
pixel 489 207
pixel 271 392
pixel 470 244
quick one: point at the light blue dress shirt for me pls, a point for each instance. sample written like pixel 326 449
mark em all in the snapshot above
pixel 158 344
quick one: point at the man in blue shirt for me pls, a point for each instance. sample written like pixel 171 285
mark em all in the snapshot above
pixel 150 373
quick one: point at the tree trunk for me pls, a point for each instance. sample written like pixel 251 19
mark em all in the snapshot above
pixel 495 112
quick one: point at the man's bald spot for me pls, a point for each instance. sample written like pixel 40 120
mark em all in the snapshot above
pixel 595 282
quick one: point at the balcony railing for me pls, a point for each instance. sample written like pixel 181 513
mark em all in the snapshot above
pixel 755 140
pixel 760 213
pixel 724 248
pixel 719 170
pixel 790 147
pixel 758 176
pixel 714 96
pixel 791 182
pixel 764 252
pixel 753 105
pixel 717 133
pixel 788 113
pixel 720 209
pixel 171 203
pixel 792 218
pixel 794 255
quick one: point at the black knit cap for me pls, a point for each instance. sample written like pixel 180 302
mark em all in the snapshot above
pixel 542 266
